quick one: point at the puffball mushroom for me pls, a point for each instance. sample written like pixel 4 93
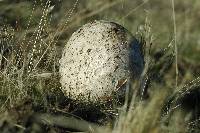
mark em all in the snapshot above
pixel 97 60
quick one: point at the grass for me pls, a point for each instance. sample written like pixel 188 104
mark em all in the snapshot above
pixel 33 34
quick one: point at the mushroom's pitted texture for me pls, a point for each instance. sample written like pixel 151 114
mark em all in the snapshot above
pixel 97 61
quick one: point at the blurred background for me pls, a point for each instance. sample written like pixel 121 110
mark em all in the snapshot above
pixel 24 15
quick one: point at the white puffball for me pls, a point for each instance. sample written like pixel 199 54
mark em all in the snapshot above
pixel 97 60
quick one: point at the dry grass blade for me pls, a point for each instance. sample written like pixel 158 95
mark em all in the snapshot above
pixel 175 43
pixel 144 117
pixel 133 10
pixel 97 10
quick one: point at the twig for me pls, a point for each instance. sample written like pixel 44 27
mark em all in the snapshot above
pixel 68 122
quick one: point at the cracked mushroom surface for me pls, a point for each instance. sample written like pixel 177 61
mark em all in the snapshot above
pixel 97 60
